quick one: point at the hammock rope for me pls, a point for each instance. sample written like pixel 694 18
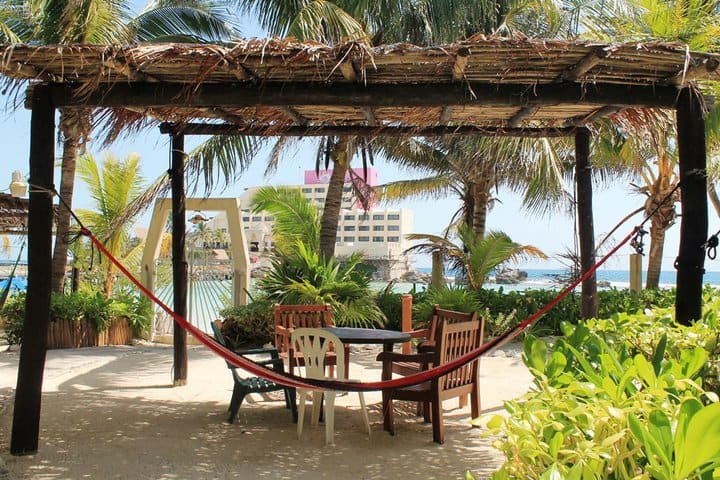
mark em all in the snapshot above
pixel 290 380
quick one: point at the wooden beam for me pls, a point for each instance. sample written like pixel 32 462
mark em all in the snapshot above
pixel 28 393
pixel 294 115
pixel 461 61
pixel 707 66
pixel 586 229
pixel 28 71
pixel 601 112
pixel 690 262
pixel 584 65
pixel 179 260
pixel 446 115
pixel 361 130
pixel 521 115
pixel 354 95
pixel 226 115
pixel 128 71
pixel 370 116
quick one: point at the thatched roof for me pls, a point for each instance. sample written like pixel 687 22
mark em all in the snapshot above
pixel 277 83
pixel 13 215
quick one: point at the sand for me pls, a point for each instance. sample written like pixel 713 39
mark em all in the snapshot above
pixel 111 413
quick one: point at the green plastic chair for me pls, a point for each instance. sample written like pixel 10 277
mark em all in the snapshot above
pixel 243 386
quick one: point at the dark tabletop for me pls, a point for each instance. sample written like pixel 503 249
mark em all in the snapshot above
pixel 368 335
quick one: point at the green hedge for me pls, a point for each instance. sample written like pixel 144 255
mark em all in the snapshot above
pixel 76 306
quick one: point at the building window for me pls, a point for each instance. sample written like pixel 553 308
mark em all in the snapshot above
pixel 363 239
pixel 307 190
pixel 364 228
pixel 363 216
pixel 348 239
pixel 394 239
pixel 337 239
pixel 349 217
pixel 393 216
pixel 347 189
pixel 246 219
pixel 378 216
pixel 320 190
pixel 257 219
pixel 393 228
pixel 349 228
pixel 269 219
pixel 378 239
pixel 378 228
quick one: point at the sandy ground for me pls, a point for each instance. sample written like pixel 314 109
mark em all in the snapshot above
pixel 111 413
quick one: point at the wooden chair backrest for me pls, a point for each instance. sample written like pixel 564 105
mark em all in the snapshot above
pixel 451 316
pixel 455 339
pixel 290 317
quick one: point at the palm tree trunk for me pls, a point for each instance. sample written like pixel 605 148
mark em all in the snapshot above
pixel 333 199
pixel 71 128
pixel 481 200
pixel 657 245
pixel 714 199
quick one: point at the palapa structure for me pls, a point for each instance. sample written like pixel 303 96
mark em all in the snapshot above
pixel 487 86
pixel 13 215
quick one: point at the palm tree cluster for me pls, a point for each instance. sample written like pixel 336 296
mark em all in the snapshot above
pixel 471 168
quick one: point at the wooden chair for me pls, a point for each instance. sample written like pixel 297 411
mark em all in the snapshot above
pixel 454 339
pixel 290 317
pixel 427 337
pixel 313 344
pixel 243 386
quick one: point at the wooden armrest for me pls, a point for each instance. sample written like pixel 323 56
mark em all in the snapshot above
pixel 386 357
pixel 422 333
pixel 280 330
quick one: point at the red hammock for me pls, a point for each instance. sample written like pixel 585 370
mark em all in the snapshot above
pixel 291 380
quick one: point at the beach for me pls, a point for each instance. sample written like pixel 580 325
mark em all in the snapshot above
pixel 110 412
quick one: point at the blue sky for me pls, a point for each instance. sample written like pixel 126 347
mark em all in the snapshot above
pixel 553 234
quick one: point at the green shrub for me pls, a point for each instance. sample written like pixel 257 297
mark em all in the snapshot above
pixel 390 304
pixel 251 325
pixel 616 398
pixel 79 305
pixel 14 314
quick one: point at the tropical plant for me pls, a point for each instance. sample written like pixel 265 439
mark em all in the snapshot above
pixel 601 410
pixel 477 256
pixel 470 167
pixel 103 22
pixel 251 325
pixel 112 185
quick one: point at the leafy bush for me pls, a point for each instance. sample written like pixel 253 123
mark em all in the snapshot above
pixel 251 325
pixel 14 314
pixel 608 404
pixel 450 298
pixel 390 304
pixel 79 305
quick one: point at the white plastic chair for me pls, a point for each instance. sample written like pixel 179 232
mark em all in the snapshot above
pixel 313 344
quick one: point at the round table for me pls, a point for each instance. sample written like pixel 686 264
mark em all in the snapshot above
pixel 387 338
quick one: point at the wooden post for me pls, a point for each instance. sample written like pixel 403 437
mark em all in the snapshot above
pixel 635 272
pixel 406 321
pixel 690 262
pixel 436 276
pixel 28 394
pixel 586 230
pixel 179 260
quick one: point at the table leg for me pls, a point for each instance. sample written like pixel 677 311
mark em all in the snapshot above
pixel 387 347
pixel 346 352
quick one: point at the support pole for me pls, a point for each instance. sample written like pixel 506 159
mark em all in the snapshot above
pixel 437 279
pixel 635 272
pixel 586 230
pixel 690 262
pixel 406 320
pixel 28 394
pixel 179 260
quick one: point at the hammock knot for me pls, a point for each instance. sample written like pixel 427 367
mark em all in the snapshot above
pixel 637 241
pixel 711 246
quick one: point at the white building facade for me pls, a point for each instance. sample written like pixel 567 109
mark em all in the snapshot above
pixel 377 233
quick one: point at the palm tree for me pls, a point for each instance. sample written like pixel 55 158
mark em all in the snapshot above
pixel 299 274
pixel 112 185
pixel 646 145
pixel 476 256
pixel 100 21
pixel 470 167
